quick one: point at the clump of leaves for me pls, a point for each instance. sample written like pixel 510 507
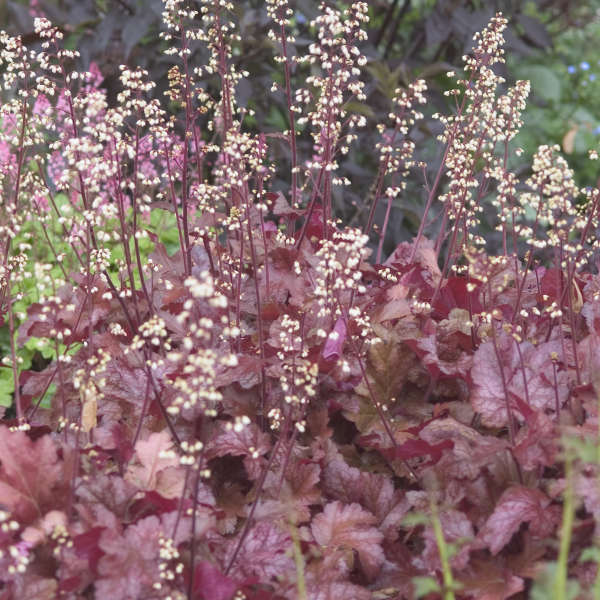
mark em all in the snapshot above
pixel 253 403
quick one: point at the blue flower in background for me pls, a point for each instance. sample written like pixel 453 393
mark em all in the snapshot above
pixel 597 130
pixel 585 65
pixel 592 77
pixel 571 69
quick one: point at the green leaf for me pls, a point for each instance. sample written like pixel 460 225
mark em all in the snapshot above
pixel 583 116
pixel 359 108
pixel 544 586
pixel 6 387
pixel 584 140
pixel 424 586
pixel 387 81
pixel 415 519
pixel 435 69
pixel 590 554
pixel 544 82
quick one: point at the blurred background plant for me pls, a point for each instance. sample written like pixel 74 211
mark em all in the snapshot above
pixel 566 83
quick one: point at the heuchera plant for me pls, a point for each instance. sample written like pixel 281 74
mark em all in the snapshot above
pixel 277 410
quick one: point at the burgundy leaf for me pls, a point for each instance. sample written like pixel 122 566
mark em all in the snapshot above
pixel 350 526
pixel 265 553
pixel 293 495
pixel 516 506
pixel 248 440
pixel 129 566
pixel 31 475
pixel 425 268
pixel 156 467
pixel 490 581
pixel 374 492
pixel 153 503
pixel 337 589
pixel 417 448
pixel 536 443
pixel 442 358
pixel 470 453
pixel 458 292
pixel 34 587
pixel 526 372
pixel 87 546
pixel 211 584
pixel 586 488
pixel 332 348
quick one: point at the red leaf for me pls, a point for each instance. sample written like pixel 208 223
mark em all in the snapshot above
pixel 246 442
pixel 457 293
pixel 332 348
pixel 338 589
pixel 423 270
pixel 265 553
pixel 211 584
pixel 291 497
pixel 350 526
pixel 153 504
pixel 527 376
pixel 30 475
pixel 586 487
pixel 441 358
pixel 535 444
pixel 41 323
pixel 86 547
pixel 471 451
pixel 156 467
pixel 129 567
pixel 591 313
pixel 31 586
pixel 281 208
pixel 374 492
pixel 490 581
pixel 314 227
pixel 417 448
pixel 283 279
pixel 516 506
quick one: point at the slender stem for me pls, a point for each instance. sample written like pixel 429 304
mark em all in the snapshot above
pixel 14 360
pixel 566 530
pixel 184 170
pixel 509 415
pixel 261 341
pixel 138 257
pixel 190 589
pixel 11 316
pixel 288 95
pixel 443 551
pixel 383 230
pixel 174 202
pixel 124 233
pixel 299 562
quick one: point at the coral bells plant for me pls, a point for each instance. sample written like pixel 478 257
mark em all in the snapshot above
pixel 213 390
